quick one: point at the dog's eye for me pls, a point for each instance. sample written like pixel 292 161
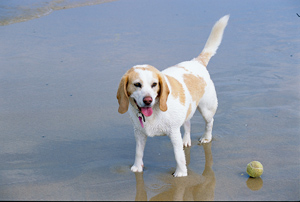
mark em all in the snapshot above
pixel 138 85
pixel 154 84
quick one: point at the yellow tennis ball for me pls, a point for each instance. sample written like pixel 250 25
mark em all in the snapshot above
pixel 255 169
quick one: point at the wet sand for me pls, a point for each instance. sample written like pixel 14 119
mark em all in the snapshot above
pixel 63 139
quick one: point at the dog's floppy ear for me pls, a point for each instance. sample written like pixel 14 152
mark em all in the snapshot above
pixel 122 95
pixel 163 93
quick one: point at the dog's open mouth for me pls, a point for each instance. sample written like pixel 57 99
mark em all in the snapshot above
pixel 147 111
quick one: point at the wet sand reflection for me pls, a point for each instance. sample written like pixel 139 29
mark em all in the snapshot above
pixel 254 184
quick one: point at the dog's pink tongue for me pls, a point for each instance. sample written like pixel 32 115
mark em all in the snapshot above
pixel 147 111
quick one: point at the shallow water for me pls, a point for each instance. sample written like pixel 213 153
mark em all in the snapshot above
pixel 14 11
pixel 61 135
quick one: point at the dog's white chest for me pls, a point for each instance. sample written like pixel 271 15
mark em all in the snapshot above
pixel 159 129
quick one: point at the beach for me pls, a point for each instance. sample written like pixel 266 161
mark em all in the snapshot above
pixel 62 137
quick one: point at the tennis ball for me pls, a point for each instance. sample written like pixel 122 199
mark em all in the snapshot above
pixel 255 169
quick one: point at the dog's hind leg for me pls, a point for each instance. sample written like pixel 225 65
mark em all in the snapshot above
pixel 208 110
pixel 187 134
pixel 207 136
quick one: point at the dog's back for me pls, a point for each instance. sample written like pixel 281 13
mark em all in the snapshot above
pixel 194 77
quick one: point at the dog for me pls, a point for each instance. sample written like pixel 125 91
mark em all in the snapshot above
pixel 159 103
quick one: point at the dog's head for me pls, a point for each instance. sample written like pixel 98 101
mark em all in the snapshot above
pixel 146 86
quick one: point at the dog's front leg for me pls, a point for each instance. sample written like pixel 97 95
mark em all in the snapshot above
pixel 177 142
pixel 140 139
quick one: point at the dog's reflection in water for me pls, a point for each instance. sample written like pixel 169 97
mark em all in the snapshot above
pixel 193 187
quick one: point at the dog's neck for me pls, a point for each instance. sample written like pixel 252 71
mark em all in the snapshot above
pixel 140 116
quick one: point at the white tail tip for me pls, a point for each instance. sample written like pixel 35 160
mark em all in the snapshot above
pixel 214 40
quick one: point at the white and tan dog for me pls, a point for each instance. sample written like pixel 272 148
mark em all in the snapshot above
pixel 161 102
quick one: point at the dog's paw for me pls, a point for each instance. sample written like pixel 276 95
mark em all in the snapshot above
pixel 135 168
pixel 180 173
pixel 187 142
pixel 205 140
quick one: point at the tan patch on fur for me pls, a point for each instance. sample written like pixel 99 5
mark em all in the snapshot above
pixel 148 68
pixel 182 68
pixel 204 58
pixel 132 76
pixel 177 89
pixel 196 86
pixel 189 111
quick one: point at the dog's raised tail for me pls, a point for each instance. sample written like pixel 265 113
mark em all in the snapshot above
pixel 213 41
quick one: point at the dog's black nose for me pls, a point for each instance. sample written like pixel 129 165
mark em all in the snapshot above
pixel 147 100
